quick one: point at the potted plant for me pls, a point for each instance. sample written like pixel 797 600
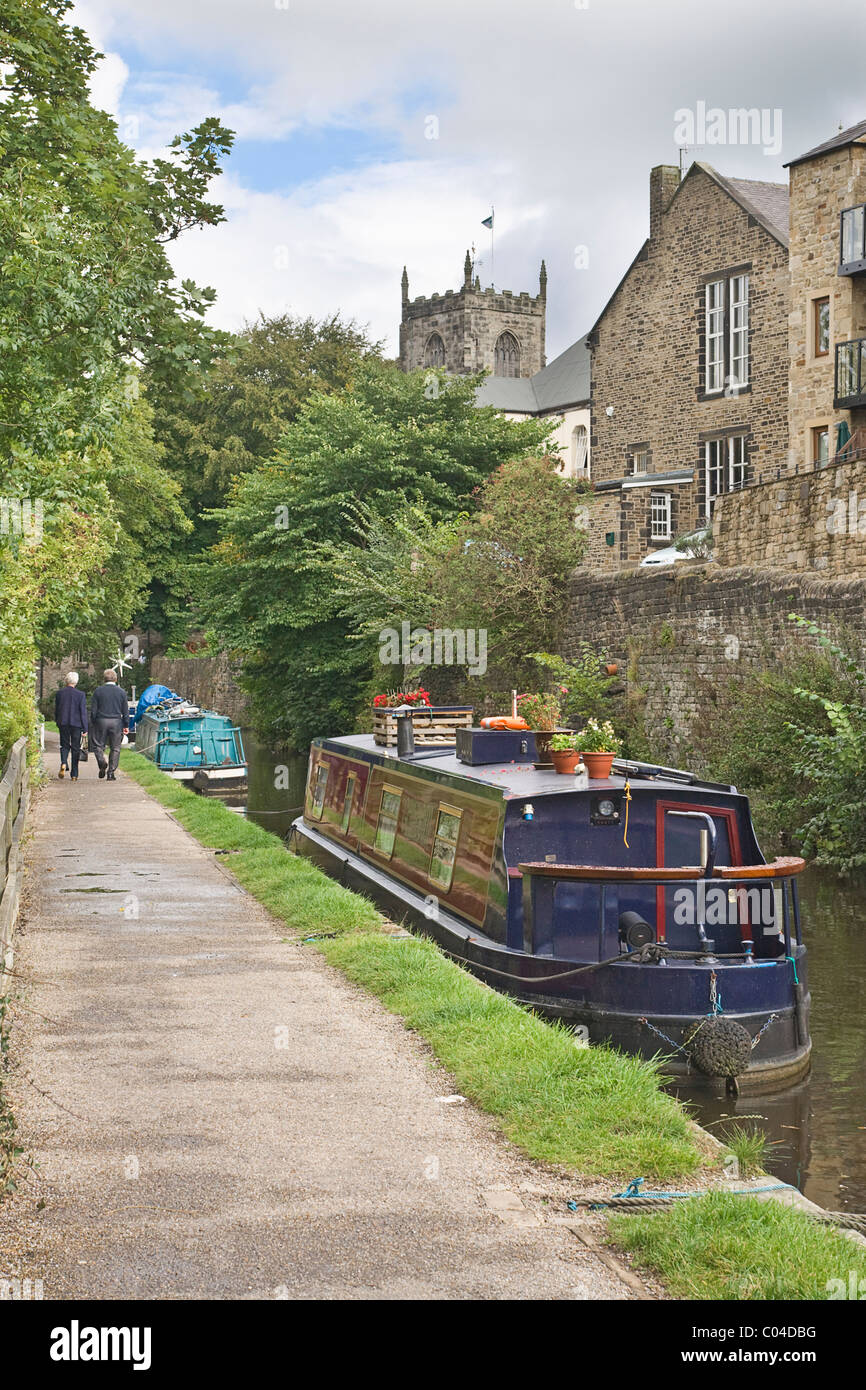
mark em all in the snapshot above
pixel 541 713
pixel 564 753
pixel 599 745
pixel 434 725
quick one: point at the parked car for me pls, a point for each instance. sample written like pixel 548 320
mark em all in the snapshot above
pixel 694 545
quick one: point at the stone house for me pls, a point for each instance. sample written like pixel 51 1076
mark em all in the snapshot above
pixel 827 322
pixel 474 329
pixel 690 363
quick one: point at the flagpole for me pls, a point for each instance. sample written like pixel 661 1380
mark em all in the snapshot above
pixel 492 262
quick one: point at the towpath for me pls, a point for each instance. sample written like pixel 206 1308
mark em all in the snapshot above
pixel 218 1114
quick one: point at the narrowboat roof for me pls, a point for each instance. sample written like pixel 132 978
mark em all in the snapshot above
pixel 523 779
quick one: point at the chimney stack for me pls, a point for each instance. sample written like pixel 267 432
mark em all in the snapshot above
pixel 664 182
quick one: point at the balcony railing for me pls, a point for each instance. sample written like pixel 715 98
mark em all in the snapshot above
pixel 850 387
pixel 853 450
pixel 852 241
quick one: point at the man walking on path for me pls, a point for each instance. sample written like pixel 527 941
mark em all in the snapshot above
pixel 109 717
pixel 70 716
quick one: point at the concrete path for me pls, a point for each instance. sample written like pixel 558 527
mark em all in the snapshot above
pixel 217 1114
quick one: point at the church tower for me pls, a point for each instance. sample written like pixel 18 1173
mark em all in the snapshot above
pixel 472 329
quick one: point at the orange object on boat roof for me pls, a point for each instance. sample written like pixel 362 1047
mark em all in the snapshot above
pixel 504 721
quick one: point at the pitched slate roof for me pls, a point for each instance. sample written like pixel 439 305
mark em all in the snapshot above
pixel 563 382
pixel 854 135
pixel 767 202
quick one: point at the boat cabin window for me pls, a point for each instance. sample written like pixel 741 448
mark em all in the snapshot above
pixel 386 826
pixel 348 798
pixel 444 852
pixel 321 783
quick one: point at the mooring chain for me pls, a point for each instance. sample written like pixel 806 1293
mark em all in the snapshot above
pixel 763 1028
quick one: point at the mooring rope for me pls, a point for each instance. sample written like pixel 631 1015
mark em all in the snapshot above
pixel 635 1199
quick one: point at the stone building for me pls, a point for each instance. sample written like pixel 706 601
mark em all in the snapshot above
pixel 690 362
pixel 827 323
pixel 560 392
pixel 474 329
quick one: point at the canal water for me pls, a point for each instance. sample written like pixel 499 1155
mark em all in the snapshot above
pixel 817 1129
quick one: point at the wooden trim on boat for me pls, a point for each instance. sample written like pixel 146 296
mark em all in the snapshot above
pixel 779 868
pixel 605 873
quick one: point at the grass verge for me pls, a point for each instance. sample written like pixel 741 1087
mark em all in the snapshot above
pixel 739 1248
pixel 592 1110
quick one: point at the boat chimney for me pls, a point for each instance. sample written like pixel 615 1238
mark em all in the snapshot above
pixel 405 731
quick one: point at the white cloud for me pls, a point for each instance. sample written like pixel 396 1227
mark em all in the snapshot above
pixel 543 108
pixel 109 77
pixel 340 243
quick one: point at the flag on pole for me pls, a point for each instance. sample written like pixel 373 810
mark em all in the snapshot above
pixel 488 222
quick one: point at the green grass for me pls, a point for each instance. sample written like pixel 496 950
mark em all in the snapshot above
pixel 590 1109
pixel 749 1146
pixel 739 1248
pixel 593 1110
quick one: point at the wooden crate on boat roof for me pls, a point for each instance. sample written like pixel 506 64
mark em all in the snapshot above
pixel 435 725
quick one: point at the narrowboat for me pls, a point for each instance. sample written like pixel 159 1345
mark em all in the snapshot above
pixel 637 908
pixel 193 745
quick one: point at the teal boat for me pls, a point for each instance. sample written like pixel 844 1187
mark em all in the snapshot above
pixel 193 745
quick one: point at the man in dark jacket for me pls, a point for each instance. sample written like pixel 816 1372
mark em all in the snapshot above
pixel 109 721
pixel 70 716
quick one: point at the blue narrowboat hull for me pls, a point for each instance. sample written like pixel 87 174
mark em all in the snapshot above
pixel 540 890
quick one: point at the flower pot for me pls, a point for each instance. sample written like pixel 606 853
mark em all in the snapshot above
pixel 598 764
pixel 565 760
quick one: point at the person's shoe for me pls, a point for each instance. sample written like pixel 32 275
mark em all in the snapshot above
pixel 102 772
pixel 111 777
pixel 62 772
pixel 74 777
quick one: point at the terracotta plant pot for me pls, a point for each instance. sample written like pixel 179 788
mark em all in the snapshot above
pixel 565 760
pixel 598 764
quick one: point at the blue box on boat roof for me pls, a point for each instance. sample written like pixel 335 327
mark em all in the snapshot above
pixel 476 747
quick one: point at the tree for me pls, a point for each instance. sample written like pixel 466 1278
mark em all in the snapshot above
pixel 251 396
pixel 86 293
pixel 233 424
pixel 501 567
pixel 268 590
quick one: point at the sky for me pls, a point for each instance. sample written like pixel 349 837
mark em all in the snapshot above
pixel 376 133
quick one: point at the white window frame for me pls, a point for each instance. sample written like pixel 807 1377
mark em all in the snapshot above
pixel 738 321
pixel 714 327
pixel 637 472
pixel 660 516
pixel 726 463
pixel 726 332
pixel 580 449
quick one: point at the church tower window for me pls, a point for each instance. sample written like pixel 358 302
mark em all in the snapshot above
pixel 506 356
pixel 434 353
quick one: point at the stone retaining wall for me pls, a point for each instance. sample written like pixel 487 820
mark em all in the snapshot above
pixel 209 680
pixel 807 521
pixel 680 633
